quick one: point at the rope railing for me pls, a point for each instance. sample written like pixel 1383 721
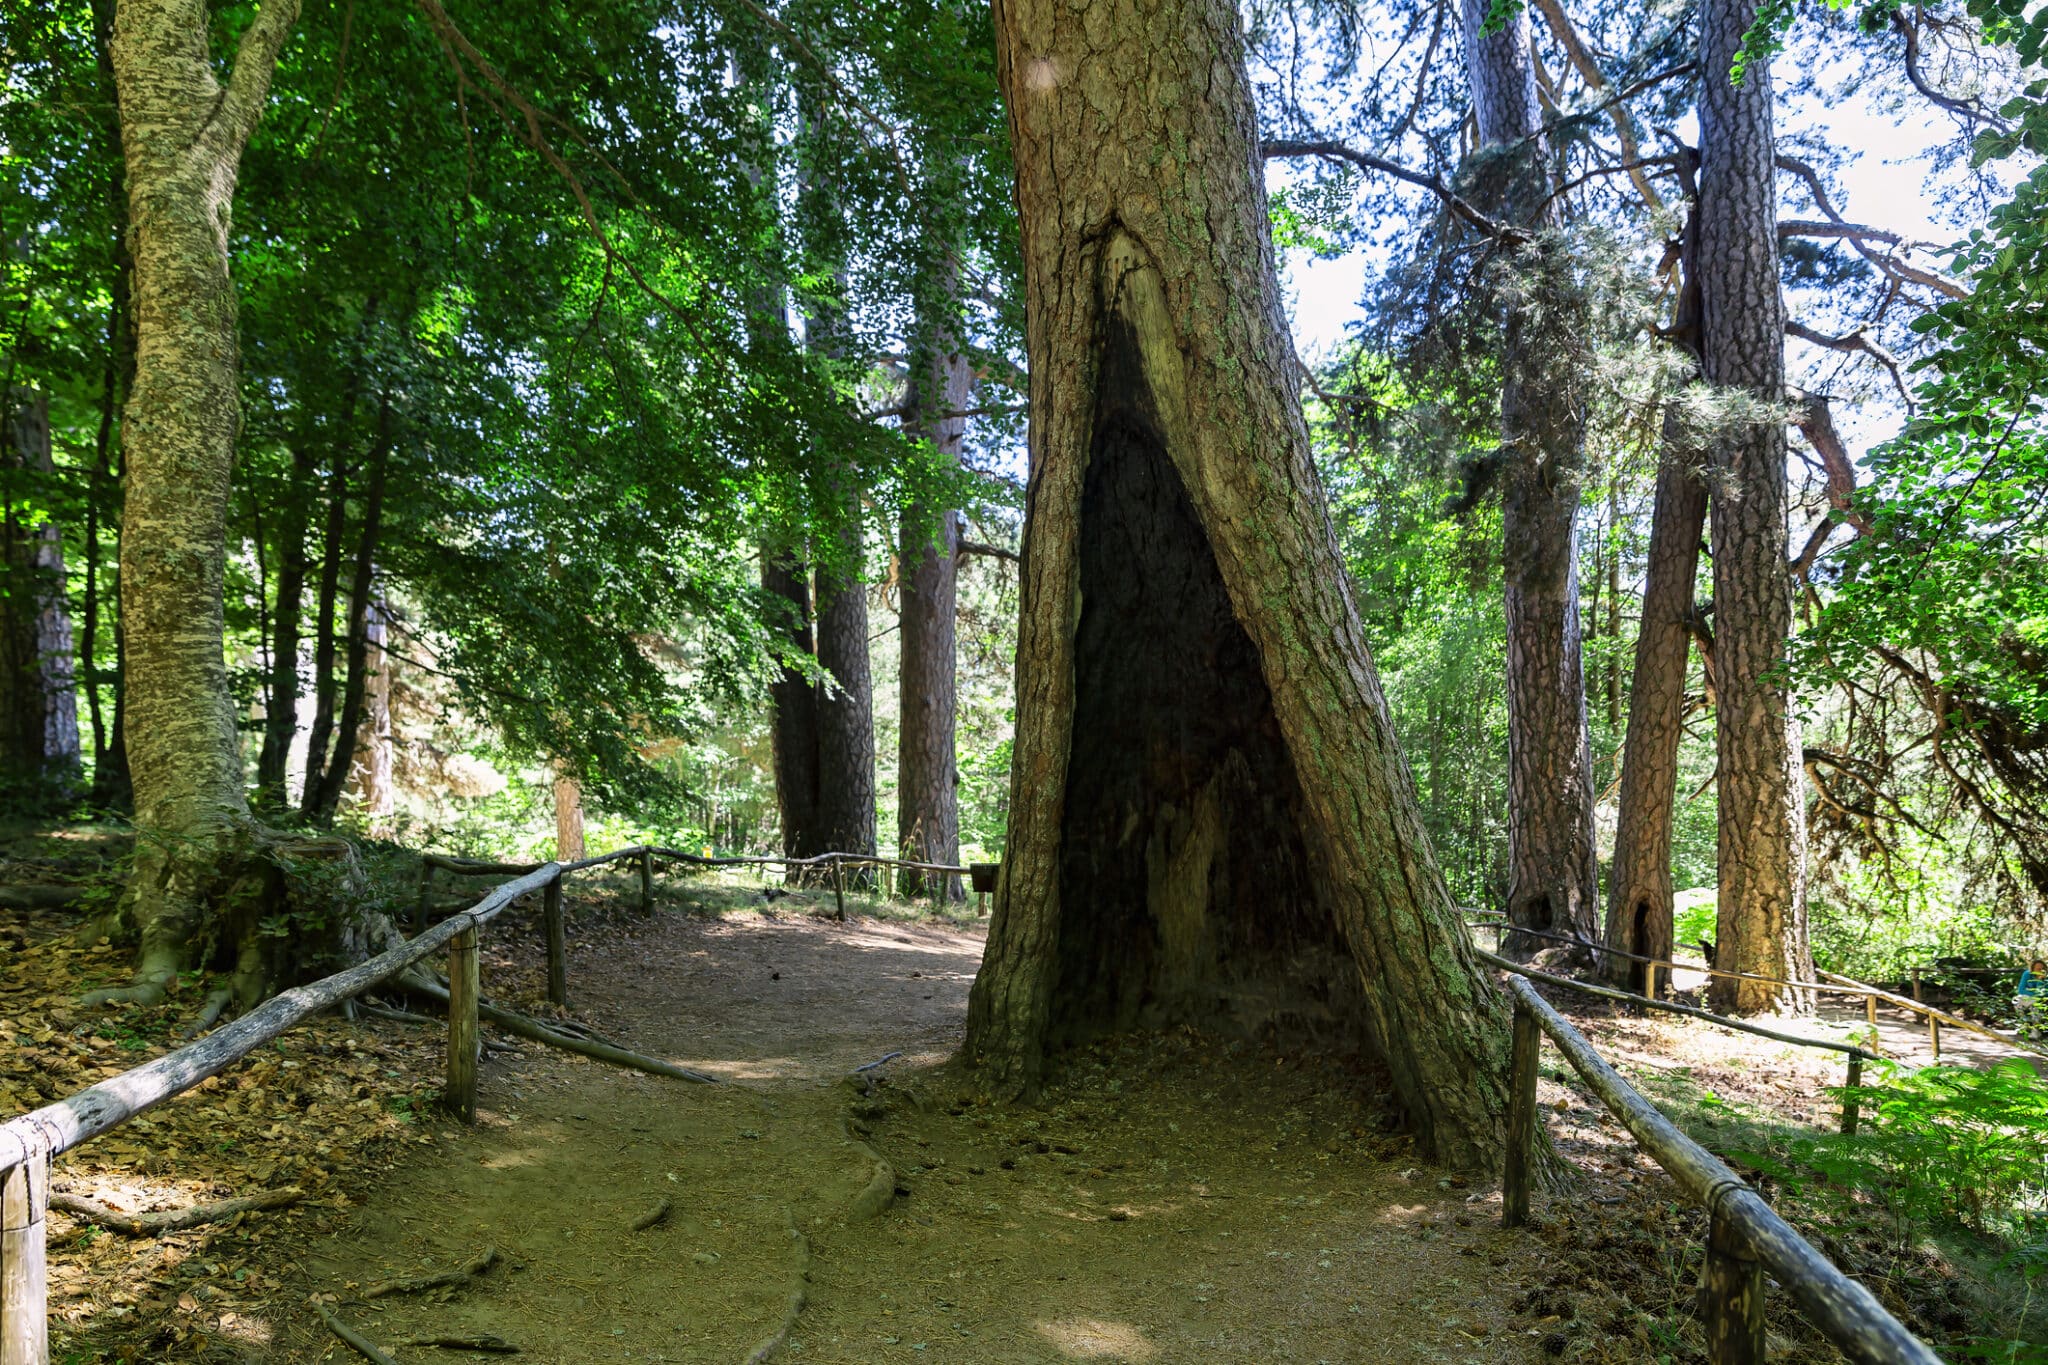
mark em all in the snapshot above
pixel 1833 984
pixel 1746 1237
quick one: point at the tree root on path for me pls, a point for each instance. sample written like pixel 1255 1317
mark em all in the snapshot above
pixel 419 1284
pixel 355 1339
pixel 880 1191
pixel 173 1220
pixel 793 1307
pixel 494 1345
pixel 652 1216
pixel 209 1013
pixel 538 1032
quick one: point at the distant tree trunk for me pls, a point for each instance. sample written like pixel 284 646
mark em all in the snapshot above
pixel 183 135
pixel 281 688
pixel 324 679
pixel 927 773
pixel 1554 872
pixel 1639 901
pixel 1210 821
pixel 568 817
pixel 374 794
pixel 793 707
pixel 333 774
pixel 110 759
pixel 846 714
pixel 1612 681
pixel 1761 916
pixel 38 682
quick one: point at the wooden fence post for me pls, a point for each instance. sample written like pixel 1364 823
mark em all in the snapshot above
pixel 24 1284
pixel 1649 980
pixel 1514 1185
pixel 1934 1035
pixel 464 986
pixel 1916 985
pixel 558 943
pixel 1732 1298
pixel 839 887
pixel 646 881
pixel 1850 1103
pixel 1870 1015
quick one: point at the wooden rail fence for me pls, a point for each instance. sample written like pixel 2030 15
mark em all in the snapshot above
pixel 30 1143
pixel 1745 1237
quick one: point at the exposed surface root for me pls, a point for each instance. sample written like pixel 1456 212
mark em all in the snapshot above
pixel 356 1340
pixel 652 1216
pixel 799 1287
pixel 209 1013
pixel 420 1284
pixel 540 1033
pixel 173 1220
pixel 145 992
pixel 490 1345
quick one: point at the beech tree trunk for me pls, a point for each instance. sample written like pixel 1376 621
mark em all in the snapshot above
pixel 322 728
pixel 1761 911
pixel 927 773
pixel 1210 821
pixel 1554 876
pixel 325 796
pixel 39 753
pixel 371 778
pixel 281 689
pixel 183 135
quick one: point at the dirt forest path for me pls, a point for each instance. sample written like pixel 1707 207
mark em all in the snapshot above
pixel 1177 1200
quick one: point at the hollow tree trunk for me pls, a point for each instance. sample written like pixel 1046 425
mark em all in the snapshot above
pixel 1639 902
pixel 1554 876
pixel 793 707
pixel 1210 821
pixel 38 682
pixel 183 135
pixel 1761 914
pixel 927 774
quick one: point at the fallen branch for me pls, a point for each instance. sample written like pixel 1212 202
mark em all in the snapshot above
pixel 771 1345
pixel 527 1028
pixel 495 1345
pixel 172 1220
pixel 355 1339
pixel 653 1216
pixel 420 1284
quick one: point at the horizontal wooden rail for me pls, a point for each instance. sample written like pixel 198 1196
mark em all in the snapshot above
pixel 1746 1237
pixel 1835 984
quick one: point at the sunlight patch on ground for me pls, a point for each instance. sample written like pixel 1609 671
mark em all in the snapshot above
pixel 504 1161
pixel 1094 1339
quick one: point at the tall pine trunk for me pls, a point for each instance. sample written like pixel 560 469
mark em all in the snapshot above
pixel 1761 915
pixel 927 774
pixel 1640 898
pixel 183 135
pixel 1553 869
pixel 793 705
pixel 1210 821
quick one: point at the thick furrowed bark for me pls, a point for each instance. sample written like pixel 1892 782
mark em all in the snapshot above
pixel 1553 873
pixel 793 711
pixel 846 718
pixel 1639 906
pixel 1145 237
pixel 1761 916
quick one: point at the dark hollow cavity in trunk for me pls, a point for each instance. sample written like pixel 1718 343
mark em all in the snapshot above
pixel 1185 886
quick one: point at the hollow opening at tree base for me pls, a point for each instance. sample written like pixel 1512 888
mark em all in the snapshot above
pixel 1187 891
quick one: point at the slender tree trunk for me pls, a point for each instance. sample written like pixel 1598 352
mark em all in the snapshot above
pixel 1612 681
pixel 281 694
pixel 1761 915
pixel 568 816
pixel 1554 872
pixel 324 678
pixel 370 779
pixel 793 708
pixel 38 678
pixel 1210 821
pixel 333 776
pixel 927 774
pixel 183 135
pixel 1639 899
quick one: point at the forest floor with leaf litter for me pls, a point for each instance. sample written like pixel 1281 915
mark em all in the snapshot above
pixel 1173 1198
